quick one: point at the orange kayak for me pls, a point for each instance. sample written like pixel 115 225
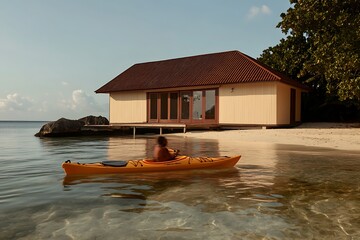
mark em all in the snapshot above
pixel 147 165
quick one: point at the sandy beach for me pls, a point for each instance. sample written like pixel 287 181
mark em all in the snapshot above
pixel 341 136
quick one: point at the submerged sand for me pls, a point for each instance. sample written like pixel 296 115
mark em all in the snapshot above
pixel 342 136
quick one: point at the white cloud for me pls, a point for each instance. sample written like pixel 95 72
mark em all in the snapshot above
pixel 256 11
pixel 82 103
pixel 15 106
pixel 64 83
pixel 82 100
pixel 15 102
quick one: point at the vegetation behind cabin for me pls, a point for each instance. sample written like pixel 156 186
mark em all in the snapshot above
pixel 322 50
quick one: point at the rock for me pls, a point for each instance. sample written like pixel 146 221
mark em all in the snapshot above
pixel 67 127
pixel 61 127
pixel 92 120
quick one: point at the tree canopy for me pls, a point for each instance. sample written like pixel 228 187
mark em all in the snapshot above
pixel 321 47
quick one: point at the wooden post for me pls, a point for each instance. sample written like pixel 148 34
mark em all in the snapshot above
pixel 184 129
pixel 134 132
pixel 160 131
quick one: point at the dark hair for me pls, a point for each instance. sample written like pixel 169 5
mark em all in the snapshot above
pixel 162 141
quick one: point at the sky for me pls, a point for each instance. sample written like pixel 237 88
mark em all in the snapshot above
pixel 55 54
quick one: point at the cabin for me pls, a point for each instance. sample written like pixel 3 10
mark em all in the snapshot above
pixel 226 89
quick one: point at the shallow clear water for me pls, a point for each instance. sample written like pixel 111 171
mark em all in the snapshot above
pixel 274 192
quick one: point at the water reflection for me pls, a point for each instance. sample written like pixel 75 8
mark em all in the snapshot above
pixel 123 148
pixel 189 187
pixel 274 192
pixel 143 147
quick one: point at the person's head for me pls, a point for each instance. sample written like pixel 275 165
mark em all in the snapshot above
pixel 162 141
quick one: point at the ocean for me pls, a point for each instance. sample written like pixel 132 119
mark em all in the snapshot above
pixel 274 192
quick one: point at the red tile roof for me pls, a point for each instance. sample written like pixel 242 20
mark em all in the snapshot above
pixel 209 69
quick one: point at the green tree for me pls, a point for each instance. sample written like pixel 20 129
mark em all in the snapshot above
pixel 322 47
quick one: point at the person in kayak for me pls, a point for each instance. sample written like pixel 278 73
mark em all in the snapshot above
pixel 161 152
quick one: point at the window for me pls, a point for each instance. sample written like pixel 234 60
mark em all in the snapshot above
pixel 164 105
pixel 153 106
pixel 173 105
pixel 210 104
pixel 185 105
pixel 197 105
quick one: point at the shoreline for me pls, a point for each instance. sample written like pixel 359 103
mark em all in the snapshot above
pixel 340 136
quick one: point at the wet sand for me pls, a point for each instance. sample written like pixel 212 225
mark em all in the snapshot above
pixel 341 136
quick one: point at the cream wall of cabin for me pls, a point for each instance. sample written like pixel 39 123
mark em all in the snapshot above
pixel 248 103
pixel 128 107
pixel 283 103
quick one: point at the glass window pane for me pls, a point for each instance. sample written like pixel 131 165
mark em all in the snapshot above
pixel 173 105
pixel 185 105
pixel 153 106
pixel 197 105
pixel 210 104
pixel 164 105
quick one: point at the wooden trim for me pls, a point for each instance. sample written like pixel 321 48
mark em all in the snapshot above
pixel 109 108
pixel 147 107
pixel 168 106
pixel 217 103
pixel 203 105
pixel 183 89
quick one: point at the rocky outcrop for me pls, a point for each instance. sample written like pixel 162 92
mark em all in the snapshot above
pixel 92 120
pixel 67 127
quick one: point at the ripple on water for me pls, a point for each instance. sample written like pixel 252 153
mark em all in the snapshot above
pixel 275 192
